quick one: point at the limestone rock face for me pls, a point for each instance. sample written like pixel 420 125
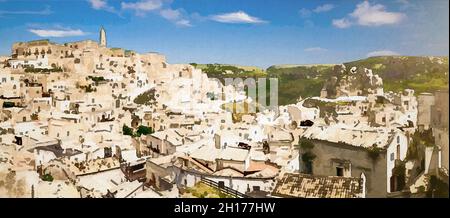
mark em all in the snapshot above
pixel 352 82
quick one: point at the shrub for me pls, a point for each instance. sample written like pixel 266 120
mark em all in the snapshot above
pixel 127 130
pixel 43 70
pixel 374 152
pixel 47 177
pixel 144 130
pixel 8 104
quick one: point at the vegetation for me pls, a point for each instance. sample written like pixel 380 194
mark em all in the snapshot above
pixel 47 177
pixel 8 104
pixel 423 74
pixel 141 130
pixel 97 79
pixel 305 144
pixel 419 138
pixel 43 70
pixel 437 188
pixel 144 130
pixel 211 96
pixel 221 71
pixel 307 156
pixel 296 81
pixel 127 130
pixel 146 98
pixel 374 152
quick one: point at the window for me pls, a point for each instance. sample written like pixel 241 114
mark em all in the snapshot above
pixel 398 139
pixel 392 156
pixel 339 171
pixel 68 133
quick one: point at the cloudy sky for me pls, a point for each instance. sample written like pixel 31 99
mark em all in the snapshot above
pixel 245 32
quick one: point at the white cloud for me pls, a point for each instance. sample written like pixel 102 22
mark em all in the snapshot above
pixel 341 23
pixel 304 12
pixel 382 53
pixel 103 5
pixel 57 32
pixel 375 15
pixel 183 23
pixel 175 16
pixel 236 17
pixel 170 14
pixel 366 14
pixel 98 4
pixel 315 49
pixel 142 6
pixel 323 8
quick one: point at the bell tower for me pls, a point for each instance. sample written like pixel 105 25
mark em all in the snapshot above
pixel 102 37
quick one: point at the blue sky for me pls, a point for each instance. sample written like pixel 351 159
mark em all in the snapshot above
pixel 246 32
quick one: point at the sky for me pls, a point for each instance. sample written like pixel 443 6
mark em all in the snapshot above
pixel 244 32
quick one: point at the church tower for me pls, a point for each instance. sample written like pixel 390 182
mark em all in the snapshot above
pixel 102 37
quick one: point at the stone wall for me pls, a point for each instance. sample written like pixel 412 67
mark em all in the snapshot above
pixel 329 155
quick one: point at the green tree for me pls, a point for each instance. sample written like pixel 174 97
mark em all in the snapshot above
pixel 127 130
pixel 144 130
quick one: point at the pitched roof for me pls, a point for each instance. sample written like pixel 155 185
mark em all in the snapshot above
pixel 210 153
pixel 310 186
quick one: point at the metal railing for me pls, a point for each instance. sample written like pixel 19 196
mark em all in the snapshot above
pixel 223 189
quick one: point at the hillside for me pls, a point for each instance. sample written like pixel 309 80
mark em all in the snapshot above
pixel 228 70
pixel 423 74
